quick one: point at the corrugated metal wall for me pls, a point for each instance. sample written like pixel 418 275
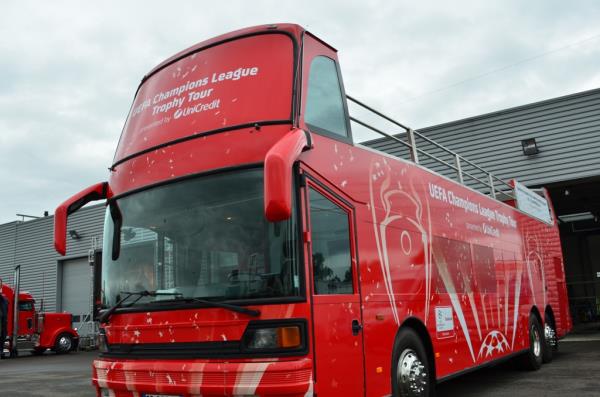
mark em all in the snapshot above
pixel 567 131
pixel 30 244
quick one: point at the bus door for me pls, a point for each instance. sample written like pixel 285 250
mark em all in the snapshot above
pixel 336 304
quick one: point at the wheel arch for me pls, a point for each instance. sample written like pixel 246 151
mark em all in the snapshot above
pixel 550 313
pixel 536 312
pixel 419 327
pixel 50 342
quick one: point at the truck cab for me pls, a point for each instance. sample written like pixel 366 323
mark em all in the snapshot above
pixel 35 331
pixel 27 314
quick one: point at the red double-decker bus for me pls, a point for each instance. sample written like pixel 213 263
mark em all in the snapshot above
pixel 252 248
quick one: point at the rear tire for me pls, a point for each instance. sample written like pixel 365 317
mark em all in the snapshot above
pixel 63 344
pixel 550 340
pixel 411 373
pixel 532 360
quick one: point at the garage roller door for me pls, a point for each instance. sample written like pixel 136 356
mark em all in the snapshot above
pixel 76 289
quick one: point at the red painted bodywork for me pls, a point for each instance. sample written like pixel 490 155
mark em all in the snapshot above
pixel 47 331
pixel 24 315
pixel 414 250
pixel 54 325
pixel 98 191
pixel 278 174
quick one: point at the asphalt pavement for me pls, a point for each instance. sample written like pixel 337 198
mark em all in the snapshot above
pixel 575 371
pixel 52 374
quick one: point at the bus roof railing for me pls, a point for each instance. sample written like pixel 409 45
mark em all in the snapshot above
pixel 486 182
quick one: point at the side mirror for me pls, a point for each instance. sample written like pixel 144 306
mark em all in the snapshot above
pixel 95 192
pixel 278 174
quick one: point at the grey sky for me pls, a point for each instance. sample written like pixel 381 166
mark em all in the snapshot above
pixel 69 70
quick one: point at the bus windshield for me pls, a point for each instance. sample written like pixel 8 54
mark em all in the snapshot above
pixel 236 83
pixel 205 238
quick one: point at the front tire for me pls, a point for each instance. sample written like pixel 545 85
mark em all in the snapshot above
pixel 411 372
pixel 532 360
pixel 63 344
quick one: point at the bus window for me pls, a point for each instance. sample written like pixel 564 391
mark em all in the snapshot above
pixel 486 269
pixel 330 246
pixel 324 104
pixel 454 270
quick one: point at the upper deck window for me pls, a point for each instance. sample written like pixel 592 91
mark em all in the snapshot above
pixel 324 104
pixel 233 84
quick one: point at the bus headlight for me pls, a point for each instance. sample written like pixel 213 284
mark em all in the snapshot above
pixel 273 336
pixel 265 338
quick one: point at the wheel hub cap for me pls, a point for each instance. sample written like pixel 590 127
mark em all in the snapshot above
pixel 550 335
pixel 411 375
pixel 537 346
pixel 64 343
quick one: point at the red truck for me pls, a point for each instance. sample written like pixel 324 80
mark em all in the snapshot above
pixel 33 330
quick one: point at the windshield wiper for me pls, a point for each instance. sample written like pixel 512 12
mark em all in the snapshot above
pixel 222 305
pixel 103 319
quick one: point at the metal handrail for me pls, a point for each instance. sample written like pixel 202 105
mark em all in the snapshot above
pixel 503 181
pixel 487 172
pixel 379 131
pixel 399 124
pixel 447 164
pixel 486 184
pixel 414 152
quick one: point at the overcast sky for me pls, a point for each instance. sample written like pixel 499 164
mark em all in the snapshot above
pixel 69 70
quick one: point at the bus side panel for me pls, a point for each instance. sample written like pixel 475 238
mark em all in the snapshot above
pixel 380 322
pixel 433 250
pixel 560 303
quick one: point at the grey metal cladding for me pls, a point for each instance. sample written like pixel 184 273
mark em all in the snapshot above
pixel 7 249
pixel 31 245
pixel 566 129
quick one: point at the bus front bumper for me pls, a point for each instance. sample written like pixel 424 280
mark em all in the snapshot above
pixel 193 378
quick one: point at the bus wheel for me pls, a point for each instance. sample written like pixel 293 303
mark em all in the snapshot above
pixel 532 360
pixel 63 343
pixel 550 341
pixel 410 368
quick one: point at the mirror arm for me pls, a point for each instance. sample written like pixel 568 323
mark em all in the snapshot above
pixel 278 173
pixel 95 192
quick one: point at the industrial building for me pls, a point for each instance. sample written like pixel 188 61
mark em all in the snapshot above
pixel 58 283
pixel 553 144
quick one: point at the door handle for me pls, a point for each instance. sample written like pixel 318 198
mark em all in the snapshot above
pixel 356 327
